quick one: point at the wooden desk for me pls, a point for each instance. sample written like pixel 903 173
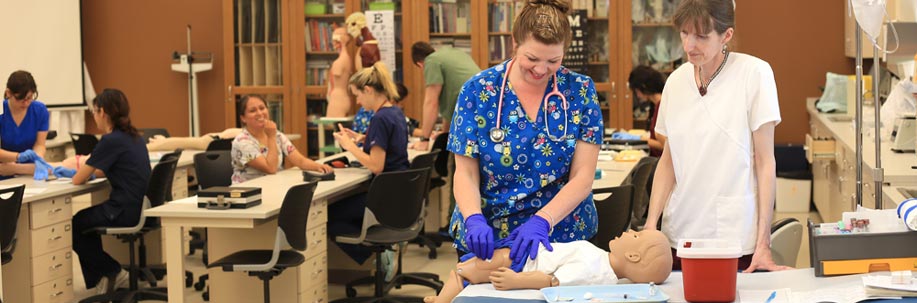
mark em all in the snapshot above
pixel 41 269
pixel 232 230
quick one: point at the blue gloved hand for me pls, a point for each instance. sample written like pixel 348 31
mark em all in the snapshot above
pixel 28 156
pixel 624 136
pixel 526 239
pixel 63 172
pixel 479 237
pixel 41 169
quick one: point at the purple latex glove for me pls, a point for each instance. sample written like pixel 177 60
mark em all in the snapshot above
pixel 479 237
pixel 526 239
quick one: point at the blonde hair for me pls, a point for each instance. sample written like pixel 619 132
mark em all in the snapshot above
pixel 544 20
pixel 379 78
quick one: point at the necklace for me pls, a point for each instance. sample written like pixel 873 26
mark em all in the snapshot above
pixel 703 86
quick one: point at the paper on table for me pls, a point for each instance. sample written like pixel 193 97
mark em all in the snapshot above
pixel 31 191
pixel 97 180
pixel 759 296
pixel 839 295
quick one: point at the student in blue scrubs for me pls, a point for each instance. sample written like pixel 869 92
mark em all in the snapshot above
pixel 24 121
pixel 121 155
pixel 385 148
pixel 363 116
pixel 527 182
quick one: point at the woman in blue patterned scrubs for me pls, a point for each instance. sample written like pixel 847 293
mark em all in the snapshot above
pixel 534 186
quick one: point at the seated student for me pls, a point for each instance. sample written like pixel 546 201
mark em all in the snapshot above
pixel 385 149
pixel 259 149
pixel 23 123
pixel 123 158
pixel 640 257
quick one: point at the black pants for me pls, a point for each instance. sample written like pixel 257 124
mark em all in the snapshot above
pixel 95 262
pixel 345 217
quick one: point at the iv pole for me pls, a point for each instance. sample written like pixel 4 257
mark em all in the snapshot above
pixel 187 64
pixel 878 173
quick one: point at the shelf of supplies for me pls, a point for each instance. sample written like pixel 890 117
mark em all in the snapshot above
pixel 331 149
pixel 325 16
pixel 434 35
pixel 653 24
pixel 316 90
pixel 598 63
pixel 321 53
pixel 500 33
pixel 597 18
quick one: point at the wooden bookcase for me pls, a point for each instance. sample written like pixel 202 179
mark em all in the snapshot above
pixel 270 55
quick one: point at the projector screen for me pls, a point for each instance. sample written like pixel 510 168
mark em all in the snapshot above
pixel 43 38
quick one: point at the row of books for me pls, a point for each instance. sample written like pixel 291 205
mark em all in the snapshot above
pixel 503 13
pixel 257 21
pixel 318 36
pixel 447 16
pixel 501 47
pixel 317 72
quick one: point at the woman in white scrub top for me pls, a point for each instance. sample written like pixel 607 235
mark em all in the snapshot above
pixel 716 177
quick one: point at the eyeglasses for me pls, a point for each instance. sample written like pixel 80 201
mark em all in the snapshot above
pixel 25 98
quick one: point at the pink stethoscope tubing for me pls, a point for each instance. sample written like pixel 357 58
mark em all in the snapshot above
pixel 497 134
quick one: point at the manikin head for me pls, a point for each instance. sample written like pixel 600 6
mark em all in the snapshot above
pixel 340 38
pixel 641 256
pixel 355 23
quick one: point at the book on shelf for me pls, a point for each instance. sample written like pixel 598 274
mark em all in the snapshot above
pixel 601 8
pixel 318 36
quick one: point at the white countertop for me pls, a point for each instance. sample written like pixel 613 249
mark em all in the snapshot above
pixel 897 166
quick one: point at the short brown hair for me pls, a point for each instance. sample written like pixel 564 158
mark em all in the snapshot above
pixel 706 15
pixel 544 20
pixel 420 50
pixel 20 84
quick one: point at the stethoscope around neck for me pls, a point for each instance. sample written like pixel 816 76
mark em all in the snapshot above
pixel 497 134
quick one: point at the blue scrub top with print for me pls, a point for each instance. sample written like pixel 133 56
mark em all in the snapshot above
pixel 525 171
pixel 361 120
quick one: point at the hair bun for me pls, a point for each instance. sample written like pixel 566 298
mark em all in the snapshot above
pixel 564 6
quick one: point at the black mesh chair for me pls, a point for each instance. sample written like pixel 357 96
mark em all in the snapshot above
pixel 426 161
pixel 83 144
pixel 613 213
pixel 10 205
pixel 148 133
pixel 220 144
pixel 393 214
pixel 437 180
pixel 641 177
pixel 213 168
pixel 291 232
pixel 130 235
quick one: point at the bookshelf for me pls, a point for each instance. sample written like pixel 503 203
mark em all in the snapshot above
pixel 259 34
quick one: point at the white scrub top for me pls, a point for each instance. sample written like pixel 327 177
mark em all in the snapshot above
pixel 710 141
pixel 574 263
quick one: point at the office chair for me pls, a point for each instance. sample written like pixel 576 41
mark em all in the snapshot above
pixel 163 171
pixel 641 176
pixel 10 206
pixel 786 237
pixel 83 144
pixel 614 213
pixel 437 180
pixel 291 231
pixel 148 133
pixel 213 168
pixel 220 144
pixel 426 161
pixel 393 214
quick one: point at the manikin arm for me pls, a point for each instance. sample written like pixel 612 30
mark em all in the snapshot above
pixel 477 271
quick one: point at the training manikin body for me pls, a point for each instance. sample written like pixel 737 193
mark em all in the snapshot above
pixel 339 102
pixel 369 47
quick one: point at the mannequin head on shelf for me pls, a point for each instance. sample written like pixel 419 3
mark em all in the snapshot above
pixel 641 256
pixel 355 23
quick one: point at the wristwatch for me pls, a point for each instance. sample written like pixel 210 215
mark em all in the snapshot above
pixel 424 139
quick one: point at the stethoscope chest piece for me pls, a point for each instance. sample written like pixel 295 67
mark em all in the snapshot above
pixel 497 134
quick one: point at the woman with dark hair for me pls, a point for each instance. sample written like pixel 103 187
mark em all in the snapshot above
pixel 647 84
pixel 120 155
pixel 259 150
pixel 23 123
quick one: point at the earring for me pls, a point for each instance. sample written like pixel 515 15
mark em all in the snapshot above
pixel 724 48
